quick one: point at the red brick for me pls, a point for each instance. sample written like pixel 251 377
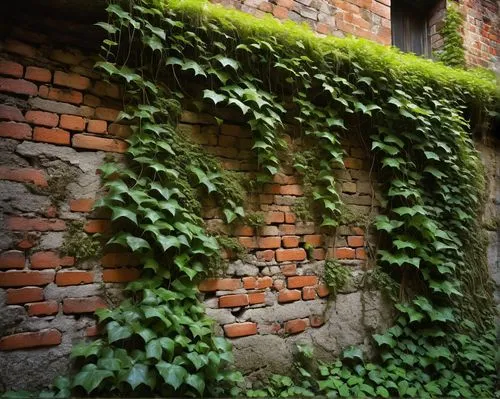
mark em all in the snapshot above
pixel 71 80
pixel 18 131
pixel 97 226
pixel 323 290
pixel 288 296
pixel 91 101
pixel 249 283
pixel 264 282
pixel 240 329
pixel 319 254
pixel 308 293
pixel 121 275
pixel 292 189
pixel 313 239
pixel 72 122
pixel 269 242
pixel 92 331
pixel 83 305
pixel 296 326
pixel 271 188
pixel 17 47
pixel 42 118
pixel 360 253
pixel 75 277
pixel 302 281
pixel 290 241
pixel 269 231
pixel 22 278
pixel 115 129
pixel 99 143
pixel 46 308
pixel 265 6
pixel 106 89
pixel 19 223
pixel 81 205
pixel 26 243
pixel 119 259
pixel 219 284
pixel 345 253
pixel 358 231
pixel 316 321
pixel 381 9
pixel 322 28
pixel 353 163
pixel 289 270
pixel 26 175
pixel 280 12
pixel 11 68
pixel 256 297
pixel 62 95
pixel 11 113
pixel 265 256
pixel 54 136
pixel 244 231
pixel 107 114
pixel 232 301
pixel 24 295
pixel 49 260
pixel 12 260
pixel 355 241
pixel 274 217
pixel 48 337
pixel 295 254
pixel 38 74
pixel 287 229
pixel 290 217
pixel 97 126
pixel 248 242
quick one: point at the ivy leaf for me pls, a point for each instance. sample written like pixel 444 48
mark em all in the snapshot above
pixel 244 108
pixel 90 377
pixel 137 375
pixel 383 223
pixel 353 352
pixel 226 61
pixel 117 332
pixel 168 242
pixel 212 95
pixel 174 375
pixel 384 339
pixel 381 391
pixel 107 27
pixel 119 212
pixel 153 42
pixel 198 70
pixel 136 243
pixel 433 171
pixel 197 382
pixel 154 349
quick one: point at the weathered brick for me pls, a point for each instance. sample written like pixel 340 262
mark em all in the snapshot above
pixel 360 253
pixel 274 217
pixel 48 337
pixel 295 254
pixel 116 129
pixel 313 239
pixel 296 326
pixel 97 126
pixel 120 275
pixel 266 256
pixel 119 259
pixel 290 241
pixel 269 242
pixel 319 254
pixel 323 290
pixel 231 301
pixel 106 89
pixel 219 284
pixel 38 74
pixel 18 131
pixel 98 143
pixel 72 122
pixel 269 231
pixel 355 241
pixel 235 130
pixel 11 113
pixel 74 277
pixel 91 101
pixel 92 331
pixel 54 135
pixel 256 297
pixel 291 189
pixel 264 282
pixel 107 114
pixel 349 187
pixel 62 95
pixel 244 231
pixel 23 295
pixel 290 217
pixel 25 175
pixel 287 229
pixel 83 305
pixel 17 47
pixel 97 226
pixel 49 260
pixel 42 118
pixel 353 163
pixel 23 278
pixel 19 223
pixel 81 205
pixel 316 321
pixel 240 329
pixel 46 308
pixel 302 281
pixel 280 12
pixel 249 283
pixel 11 68
pixel 308 293
pixel 345 253
pixel 285 296
pixel 289 270
pixel 71 80
pixel 12 260
pixel 248 242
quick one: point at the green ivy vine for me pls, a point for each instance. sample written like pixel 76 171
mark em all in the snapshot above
pixel 452 53
pixel 417 116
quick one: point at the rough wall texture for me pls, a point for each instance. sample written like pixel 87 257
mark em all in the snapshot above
pixel 57 127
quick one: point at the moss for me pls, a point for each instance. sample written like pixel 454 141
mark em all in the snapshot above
pixel 352 218
pixel 254 219
pixel 58 185
pixel 79 244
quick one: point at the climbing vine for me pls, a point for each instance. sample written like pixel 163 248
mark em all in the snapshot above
pixel 159 341
pixel 453 52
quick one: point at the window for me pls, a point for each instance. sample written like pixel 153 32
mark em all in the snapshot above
pixel 409 19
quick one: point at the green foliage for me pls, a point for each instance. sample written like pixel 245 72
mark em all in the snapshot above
pixel 79 244
pixel 254 220
pixel 336 275
pixel 453 52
